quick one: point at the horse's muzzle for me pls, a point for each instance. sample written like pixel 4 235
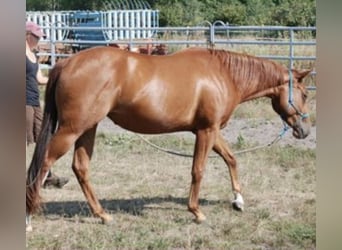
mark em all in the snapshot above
pixel 301 129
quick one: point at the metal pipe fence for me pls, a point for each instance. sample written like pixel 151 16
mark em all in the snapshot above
pixel 290 45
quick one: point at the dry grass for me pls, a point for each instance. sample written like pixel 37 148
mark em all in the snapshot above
pixel 146 192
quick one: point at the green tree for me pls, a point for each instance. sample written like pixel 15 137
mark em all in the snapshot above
pixel 38 5
pixel 294 13
pixel 194 12
pixel 233 13
pixel 258 12
pixel 172 15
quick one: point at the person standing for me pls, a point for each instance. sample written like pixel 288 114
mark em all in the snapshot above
pixel 34 112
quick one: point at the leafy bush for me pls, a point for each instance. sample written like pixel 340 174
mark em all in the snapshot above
pixel 195 12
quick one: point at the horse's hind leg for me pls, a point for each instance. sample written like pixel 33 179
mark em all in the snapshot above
pixel 60 143
pixel 82 155
pixel 224 151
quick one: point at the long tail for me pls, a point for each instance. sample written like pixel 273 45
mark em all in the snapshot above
pixel 49 124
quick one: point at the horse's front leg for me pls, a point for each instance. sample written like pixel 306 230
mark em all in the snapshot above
pixel 82 155
pixel 222 148
pixel 204 143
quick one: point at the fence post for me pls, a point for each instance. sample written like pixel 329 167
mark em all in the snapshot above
pixel 212 36
pixel 53 44
pixel 291 48
pixel 228 34
pixel 130 46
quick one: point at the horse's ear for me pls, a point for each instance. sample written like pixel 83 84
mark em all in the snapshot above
pixel 300 74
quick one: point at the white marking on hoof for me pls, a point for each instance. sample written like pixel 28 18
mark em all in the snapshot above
pixel 29 228
pixel 200 218
pixel 107 219
pixel 28 223
pixel 238 203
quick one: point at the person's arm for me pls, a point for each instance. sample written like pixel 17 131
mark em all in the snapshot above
pixel 42 80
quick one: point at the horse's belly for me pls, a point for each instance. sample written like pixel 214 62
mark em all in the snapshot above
pixel 149 124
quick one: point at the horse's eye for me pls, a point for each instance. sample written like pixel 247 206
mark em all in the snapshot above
pixel 305 96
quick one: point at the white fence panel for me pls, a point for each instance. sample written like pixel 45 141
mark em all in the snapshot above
pixel 119 24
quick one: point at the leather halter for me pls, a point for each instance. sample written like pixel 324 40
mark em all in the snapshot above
pixel 291 102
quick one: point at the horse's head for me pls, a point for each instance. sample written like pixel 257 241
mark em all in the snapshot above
pixel 290 102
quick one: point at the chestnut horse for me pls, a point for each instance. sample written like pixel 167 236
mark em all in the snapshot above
pixel 192 90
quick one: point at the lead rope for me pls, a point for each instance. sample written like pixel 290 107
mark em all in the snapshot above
pixel 279 136
pixel 172 152
pixel 275 140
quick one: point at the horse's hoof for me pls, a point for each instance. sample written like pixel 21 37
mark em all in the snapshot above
pixel 238 206
pixel 199 219
pixel 107 220
pixel 28 223
pixel 238 202
pixel 28 228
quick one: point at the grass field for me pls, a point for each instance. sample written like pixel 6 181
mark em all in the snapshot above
pixel 146 191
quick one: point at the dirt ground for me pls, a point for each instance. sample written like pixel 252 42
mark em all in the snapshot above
pixel 254 131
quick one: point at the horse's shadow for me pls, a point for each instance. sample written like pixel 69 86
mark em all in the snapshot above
pixel 136 206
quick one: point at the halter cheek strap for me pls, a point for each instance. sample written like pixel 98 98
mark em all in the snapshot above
pixel 291 102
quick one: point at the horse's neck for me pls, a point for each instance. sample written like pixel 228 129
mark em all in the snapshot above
pixel 256 91
pixel 260 86
pixel 253 77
